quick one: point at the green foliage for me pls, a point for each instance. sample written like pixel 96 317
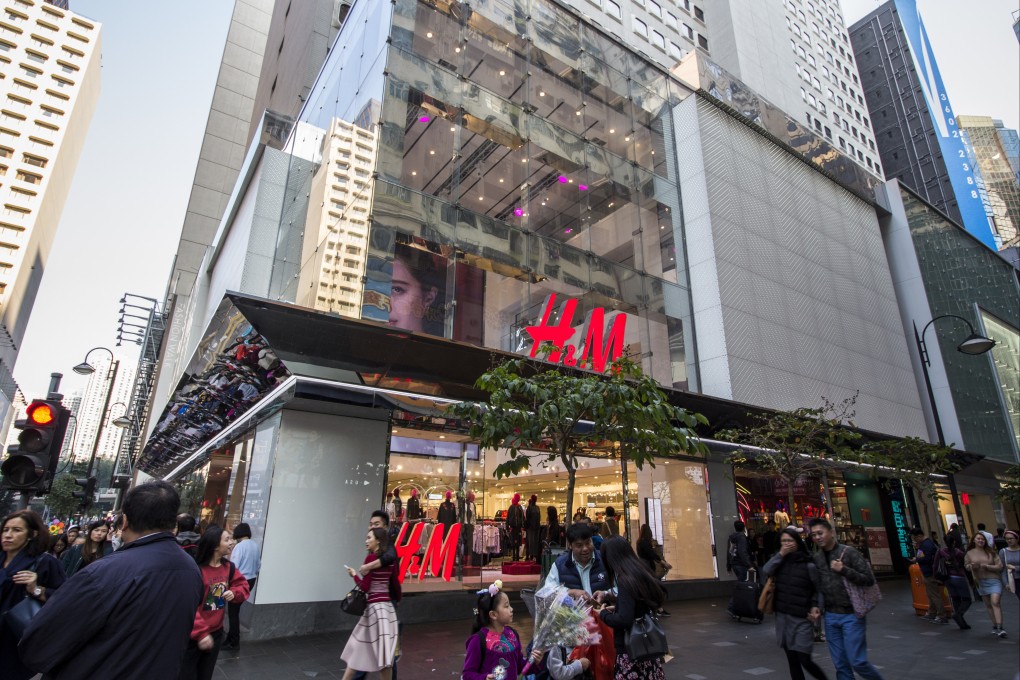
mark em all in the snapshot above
pixel 537 415
pixel 192 492
pixel 791 444
pixel 912 460
pixel 1009 488
pixel 59 500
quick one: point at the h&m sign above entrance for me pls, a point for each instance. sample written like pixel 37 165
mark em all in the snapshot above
pixel 603 342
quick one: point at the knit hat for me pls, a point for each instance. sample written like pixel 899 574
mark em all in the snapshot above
pixel 517 499
pixel 414 492
pixel 449 494
pixel 1007 532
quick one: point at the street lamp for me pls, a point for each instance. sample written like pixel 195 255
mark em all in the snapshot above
pixel 974 345
pixel 85 368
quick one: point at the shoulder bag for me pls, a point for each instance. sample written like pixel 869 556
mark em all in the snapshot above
pixel 355 602
pixel 766 603
pixel 646 639
pixel 18 617
pixel 662 568
pixel 863 598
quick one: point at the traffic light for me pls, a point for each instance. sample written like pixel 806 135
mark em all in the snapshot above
pixel 32 462
pixel 88 491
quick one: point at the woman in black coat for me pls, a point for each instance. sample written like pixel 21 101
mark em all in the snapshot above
pixel 638 593
pixel 796 602
pixel 28 571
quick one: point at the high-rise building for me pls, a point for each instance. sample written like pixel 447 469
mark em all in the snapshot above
pixel 664 31
pixel 991 144
pixel 100 394
pixel 796 54
pixel 918 137
pixel 273 53
pixel 49 64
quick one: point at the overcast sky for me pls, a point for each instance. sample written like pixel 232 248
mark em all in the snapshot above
pixel 123 217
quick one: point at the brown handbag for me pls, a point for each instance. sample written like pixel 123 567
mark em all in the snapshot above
pixel 768 595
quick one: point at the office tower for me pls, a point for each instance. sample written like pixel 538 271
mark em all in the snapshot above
pixel 665 31
pixel 99 393
pixel 49 62
pixel 915 127
pixel 990 141
pixel 273 52
pixel 796 54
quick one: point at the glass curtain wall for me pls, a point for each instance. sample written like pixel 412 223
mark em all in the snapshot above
pixel 492 155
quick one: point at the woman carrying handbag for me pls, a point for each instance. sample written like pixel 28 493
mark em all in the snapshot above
pixel 372 645
pixel 28 577
pixel 632 617
pixel 795 601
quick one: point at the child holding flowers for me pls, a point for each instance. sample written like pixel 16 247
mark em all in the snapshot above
pixel 494 650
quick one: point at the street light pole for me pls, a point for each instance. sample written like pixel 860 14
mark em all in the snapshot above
pixel 974 345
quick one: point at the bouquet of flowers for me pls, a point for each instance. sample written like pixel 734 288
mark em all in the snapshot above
pixel 562 621
pixel 56 527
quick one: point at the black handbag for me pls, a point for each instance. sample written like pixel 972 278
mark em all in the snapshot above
pixel 355 602
pixel 18 617
pixel 646 639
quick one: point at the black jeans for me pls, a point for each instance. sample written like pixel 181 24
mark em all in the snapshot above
pixel 199 665
pixel 233 618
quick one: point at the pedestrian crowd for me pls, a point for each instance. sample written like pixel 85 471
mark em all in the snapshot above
pixel 144 596
pixel 149 595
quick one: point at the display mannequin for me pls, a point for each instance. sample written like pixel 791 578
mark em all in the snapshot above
pixel 467 532
pixel 413 506
pixel 781 516
pixel 533 529
pixel 515 525
pixel 469 508
pixel 398 506
pixel 447 514
pixel 390 507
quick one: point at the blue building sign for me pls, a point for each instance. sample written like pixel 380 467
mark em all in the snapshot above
pixel 963 174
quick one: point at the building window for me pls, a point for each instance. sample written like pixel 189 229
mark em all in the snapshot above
pixel 675 51
pixel 702 42
pixel 672 21
pixel 29 177
pixel 699 14
pixel 613 9
pixel 640 27
pixel 654 9
pixel 658 40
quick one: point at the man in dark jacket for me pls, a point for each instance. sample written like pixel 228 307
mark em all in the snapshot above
pixel 186 535
pixel 129 614
pixel 845 632
pixel 738 557
pixel 925 558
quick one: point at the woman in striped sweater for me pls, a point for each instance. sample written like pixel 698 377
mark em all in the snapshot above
pixel 373 643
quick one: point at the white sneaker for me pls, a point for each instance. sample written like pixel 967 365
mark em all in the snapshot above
pixel 1001 633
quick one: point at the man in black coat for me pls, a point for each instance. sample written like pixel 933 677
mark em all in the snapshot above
pixel 129 614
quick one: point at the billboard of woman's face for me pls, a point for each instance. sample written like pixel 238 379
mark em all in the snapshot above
pixel 417 290
pixel 410 298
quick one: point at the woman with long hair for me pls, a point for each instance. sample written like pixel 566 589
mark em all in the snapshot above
pixel 959 590
pixel 372 645
pixel 222 584
pixel 646 553
pixel 638 593
pixel 95 546
pixel 27 571
pixel 58 544
pixel 553 530
pixel 796 602
pixel 983 564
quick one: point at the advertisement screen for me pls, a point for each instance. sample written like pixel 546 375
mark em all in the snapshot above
pixel 963 175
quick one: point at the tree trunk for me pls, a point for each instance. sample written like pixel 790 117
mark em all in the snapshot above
pixel 789 501
pixel 571 480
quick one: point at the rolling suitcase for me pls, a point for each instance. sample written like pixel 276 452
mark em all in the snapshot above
pixel 745 598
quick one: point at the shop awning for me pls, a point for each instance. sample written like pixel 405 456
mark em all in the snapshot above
pixel 257 354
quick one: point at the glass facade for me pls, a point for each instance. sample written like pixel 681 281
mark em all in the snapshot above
pixel 488 155
pixel 963 277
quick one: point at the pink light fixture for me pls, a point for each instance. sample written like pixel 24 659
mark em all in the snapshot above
pixel 518 212
pixel 423 119
pixel 582 187
pixel 562 179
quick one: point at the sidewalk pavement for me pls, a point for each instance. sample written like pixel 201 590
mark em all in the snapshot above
pixel 706 643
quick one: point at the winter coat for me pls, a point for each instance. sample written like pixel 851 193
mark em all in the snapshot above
pixel 796 583
pixel 855 569
pixel 127 615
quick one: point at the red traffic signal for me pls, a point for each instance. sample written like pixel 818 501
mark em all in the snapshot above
pixel 40 413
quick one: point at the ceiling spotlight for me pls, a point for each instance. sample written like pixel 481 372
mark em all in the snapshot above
pixel 429 34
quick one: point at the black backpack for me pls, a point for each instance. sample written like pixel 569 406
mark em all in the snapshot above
pixel 940 567
pixel 191 549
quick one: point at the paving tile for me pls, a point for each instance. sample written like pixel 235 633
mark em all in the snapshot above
pixel 975 652
pixel 760 670
pixel 724 644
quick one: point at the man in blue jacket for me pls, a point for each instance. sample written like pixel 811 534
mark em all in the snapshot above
pixel 581 569
pixel 129 614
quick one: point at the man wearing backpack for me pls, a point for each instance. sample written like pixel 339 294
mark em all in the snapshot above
pixel 925 558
